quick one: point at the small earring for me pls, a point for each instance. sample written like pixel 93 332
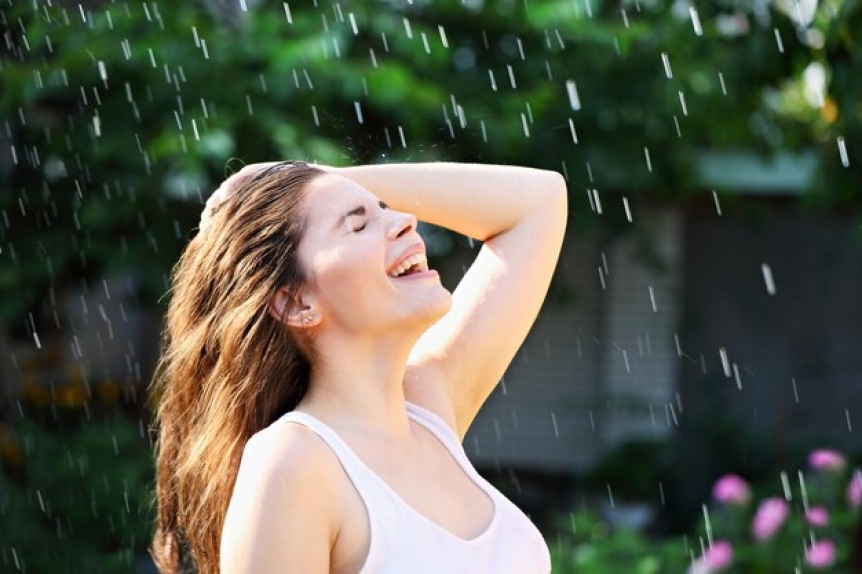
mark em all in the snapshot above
pixel 308 318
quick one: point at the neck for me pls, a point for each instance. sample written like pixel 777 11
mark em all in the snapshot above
pixel 358 383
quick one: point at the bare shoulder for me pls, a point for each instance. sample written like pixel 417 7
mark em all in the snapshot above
pixel 283 505
pixel 289 452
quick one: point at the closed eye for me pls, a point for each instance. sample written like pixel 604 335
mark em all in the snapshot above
pixel 359 211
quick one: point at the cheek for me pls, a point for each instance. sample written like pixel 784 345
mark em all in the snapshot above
pixel 347 277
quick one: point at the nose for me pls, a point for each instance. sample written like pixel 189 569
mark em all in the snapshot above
pixel 402 223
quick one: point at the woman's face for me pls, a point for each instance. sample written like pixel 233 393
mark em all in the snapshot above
pixel 360 253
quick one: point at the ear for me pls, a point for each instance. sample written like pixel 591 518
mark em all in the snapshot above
pixel 298 311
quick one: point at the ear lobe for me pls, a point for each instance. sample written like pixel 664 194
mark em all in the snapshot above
pixel 292 311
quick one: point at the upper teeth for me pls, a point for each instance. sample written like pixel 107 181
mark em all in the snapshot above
pixel 417 259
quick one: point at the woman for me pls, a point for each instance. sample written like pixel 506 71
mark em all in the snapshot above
pixel 316 379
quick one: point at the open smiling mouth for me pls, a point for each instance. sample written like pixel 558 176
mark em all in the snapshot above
pixel 412 265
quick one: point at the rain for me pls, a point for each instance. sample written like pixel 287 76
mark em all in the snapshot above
pixel 701 328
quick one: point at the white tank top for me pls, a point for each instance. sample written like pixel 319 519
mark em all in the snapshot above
pixel 403 540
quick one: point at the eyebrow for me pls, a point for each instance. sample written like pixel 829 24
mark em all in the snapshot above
pixel 359 210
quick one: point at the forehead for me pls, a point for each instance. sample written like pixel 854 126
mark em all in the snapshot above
pixel 330 196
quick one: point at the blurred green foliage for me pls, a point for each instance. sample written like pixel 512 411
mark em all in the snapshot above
pixel 74 493
pixel 587 545
pixel 118 118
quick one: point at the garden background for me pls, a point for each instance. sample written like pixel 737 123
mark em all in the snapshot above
pixel 688 397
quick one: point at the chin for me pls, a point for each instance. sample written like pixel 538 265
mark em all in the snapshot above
pixel 437 308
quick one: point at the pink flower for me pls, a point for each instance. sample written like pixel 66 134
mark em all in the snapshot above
pixel 731 489
pixel 821 554
pixel 854 490
pixel 825 459
pixel 817 516
pixel 714 559
pixel 719 556
pixel 769 518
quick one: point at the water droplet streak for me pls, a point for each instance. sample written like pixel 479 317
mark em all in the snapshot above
pixel 768 279
pixel 842 149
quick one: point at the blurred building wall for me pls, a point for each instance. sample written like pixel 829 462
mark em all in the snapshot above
pixel 772 373
pixel 598 368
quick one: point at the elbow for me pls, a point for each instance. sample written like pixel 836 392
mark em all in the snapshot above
pixel 556 198
pixel 551 190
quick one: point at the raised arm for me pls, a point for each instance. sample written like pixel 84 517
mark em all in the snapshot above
pixel 520 215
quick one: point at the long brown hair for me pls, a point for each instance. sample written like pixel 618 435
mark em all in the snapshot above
pixel 227 368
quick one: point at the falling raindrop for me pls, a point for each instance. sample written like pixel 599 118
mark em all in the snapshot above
pixel 778 40
pixel 358 109
pixel 408 29
pixel 559 39
pixel 767 278
pixel 717 204
pixel 725 362
pixel 721 83
pixel 598 201
pixel 574 98
pixel 572 129
pixel 803 490
pixel 785 485
pixel 648 160
pixel 652 300
pixel 493 80
pixel 842 150
pixel 462 117
pixel 512 77
pixel 682 103
pixel 707 524
pixel 625 17
pixel 666 62
pixel 443 39
pixel 695 21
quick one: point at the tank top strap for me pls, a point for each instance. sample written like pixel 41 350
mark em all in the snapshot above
pixel 434 423
pixel 356 470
